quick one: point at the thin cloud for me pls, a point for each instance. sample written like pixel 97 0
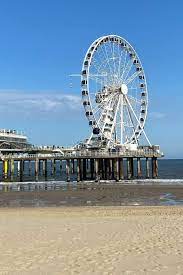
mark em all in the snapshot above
pixel 38 102
pixel 157 115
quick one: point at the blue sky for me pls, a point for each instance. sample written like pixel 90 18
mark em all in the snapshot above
pixel 43 41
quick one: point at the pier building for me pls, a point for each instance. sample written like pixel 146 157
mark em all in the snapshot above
pixel 11 139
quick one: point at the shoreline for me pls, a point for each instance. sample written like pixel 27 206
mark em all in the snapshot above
pixel 160 181
pixel 95 195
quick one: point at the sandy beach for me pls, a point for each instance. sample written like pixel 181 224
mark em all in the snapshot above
pixel 91 240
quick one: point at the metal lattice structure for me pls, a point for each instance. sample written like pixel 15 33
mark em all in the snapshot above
pixel 114 92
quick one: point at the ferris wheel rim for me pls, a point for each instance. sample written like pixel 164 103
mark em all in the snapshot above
pixel 91 50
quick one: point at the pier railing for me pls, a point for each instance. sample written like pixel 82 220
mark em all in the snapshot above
pixel 83 154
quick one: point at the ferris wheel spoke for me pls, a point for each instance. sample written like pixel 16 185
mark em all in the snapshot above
pixel 133 124
pixel 124 66
pixel 134 99
pixel 113 60
pixel 107 59
pixel 99 68
pixel 127 70
pixel 137 119
pixel 132 77
pixel 97 79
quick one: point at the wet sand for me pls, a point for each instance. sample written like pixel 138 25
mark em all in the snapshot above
pixel 91 240
pixel 96 195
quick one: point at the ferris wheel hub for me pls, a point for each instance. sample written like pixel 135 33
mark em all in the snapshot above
pixel 124 89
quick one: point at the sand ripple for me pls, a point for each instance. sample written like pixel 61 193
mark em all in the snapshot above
pixel 92 240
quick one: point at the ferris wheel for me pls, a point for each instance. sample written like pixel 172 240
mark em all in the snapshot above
pixel 114 92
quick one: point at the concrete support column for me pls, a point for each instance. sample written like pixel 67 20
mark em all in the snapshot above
pixel 121 169
pixel 132 167
pixel 105 169
pixel 29 168
pixel 45 169
pixel 147 169
pixel 92 168
pixel 21 169
pixel 12 167
pixel 154 168
pixel 36 168
pixel 18 168
pixel 87 164
pixel 68 169
pixel 110 169
pixel 39 166
pixel 84 169
pixel 73 168
pixel 117 169
pixel 101 170
pixel 60 167
pixel 51 167
pixel 54 167
pixel 97 175
pixel 78 170
pixel 139 168
pixel 5 169
pixel 129 168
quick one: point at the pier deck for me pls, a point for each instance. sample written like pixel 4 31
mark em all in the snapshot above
pixel 86 165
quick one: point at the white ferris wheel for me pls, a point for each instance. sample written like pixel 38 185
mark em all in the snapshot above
pixel 114 92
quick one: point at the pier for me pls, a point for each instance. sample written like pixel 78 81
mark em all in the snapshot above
pixel 80 166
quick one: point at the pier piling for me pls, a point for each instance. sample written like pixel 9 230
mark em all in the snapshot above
pixel 139 168
pixel 97 176
pixel 68 170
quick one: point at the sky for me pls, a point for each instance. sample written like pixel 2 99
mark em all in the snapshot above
pixel 42 42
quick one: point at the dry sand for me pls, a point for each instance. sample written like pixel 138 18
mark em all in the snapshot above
pixel 91 240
